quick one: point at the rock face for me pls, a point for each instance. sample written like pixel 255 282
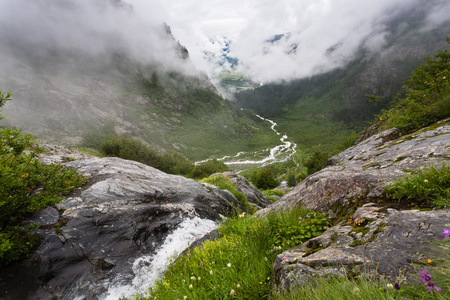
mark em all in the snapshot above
pixel 254 196
pixel 125 211
pixel 365 169
pixel 395 244
pixel 374 240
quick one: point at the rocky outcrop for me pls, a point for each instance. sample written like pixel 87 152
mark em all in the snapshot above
pixel 253 195
pixel 373 240
pixel 365 169
pixel 125 211
pixel 393 244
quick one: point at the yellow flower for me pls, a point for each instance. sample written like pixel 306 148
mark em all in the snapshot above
pixel 429 261
pixel 381 119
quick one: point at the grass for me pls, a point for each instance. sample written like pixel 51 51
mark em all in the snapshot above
pixel 237 265
pixel 429 187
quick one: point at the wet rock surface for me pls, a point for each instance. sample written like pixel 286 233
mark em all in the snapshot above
pixel 125 211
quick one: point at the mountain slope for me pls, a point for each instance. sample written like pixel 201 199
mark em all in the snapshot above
pixel 115 83
pixel 317 112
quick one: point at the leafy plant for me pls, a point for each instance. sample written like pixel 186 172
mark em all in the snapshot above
pixel 427 98
pixel 264 179
pixel 26 186
pixel 429 187
pixel 316 161
pixel 207 168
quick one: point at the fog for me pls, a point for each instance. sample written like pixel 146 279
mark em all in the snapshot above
pixel 327 33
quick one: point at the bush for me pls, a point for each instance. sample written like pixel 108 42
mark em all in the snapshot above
pixel 26 186
pixel 207 168
pixel 427 99
pixel 129 148
pixel 173 162
pixel 429 187
pixel 316 161
pixel 264 179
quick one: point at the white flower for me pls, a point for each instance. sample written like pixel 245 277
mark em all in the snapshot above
pixel 211 272
pixel 425 181
pixel 191 286
pixel 199 278
pixel 193 278
pixel 185 297
pixel 238 286
pixel 232 293
pixel 389 286
pixel 228 265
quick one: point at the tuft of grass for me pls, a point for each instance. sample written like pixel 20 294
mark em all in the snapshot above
pixel 429 187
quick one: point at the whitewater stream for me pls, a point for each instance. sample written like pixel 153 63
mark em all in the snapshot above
pixel 147 269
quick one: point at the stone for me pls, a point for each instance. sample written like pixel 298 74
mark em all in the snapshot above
pixel 125 211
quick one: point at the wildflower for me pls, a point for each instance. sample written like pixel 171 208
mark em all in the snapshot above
pixel 273 250
pixel 199 278
pixel 397 286
pixel 228 265
pixel 210 272
pixel 191 286
pixel 174 264
pixel 193 278
pixel 381 119
pixel 308 216
pixel 238 286
pixel 300 218
pixel 389 286
pixel 185 297
pixel 181 274
pixel 232 293
pixel 201 264
pixel 446 233
pixel 285 260
pixel 429 261
pixel 425 181
pixel 426 280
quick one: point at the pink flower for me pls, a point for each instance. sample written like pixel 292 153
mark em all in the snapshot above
pixel 201 264
pixel 446 233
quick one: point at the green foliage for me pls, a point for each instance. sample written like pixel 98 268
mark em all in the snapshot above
pixel 293 228
pixel 225 184
pixel 264 179
pixel 26 186
pixel 129 148
pixel 173 162
pixel 207 168
pixel 237 265
pixel 427 99
pixel 429 187
pixel 3 98
pixel 316 161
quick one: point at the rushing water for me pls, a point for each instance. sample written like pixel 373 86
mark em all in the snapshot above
pixel 147 269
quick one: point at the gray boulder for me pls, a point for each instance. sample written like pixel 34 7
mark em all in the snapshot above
pixel 125 211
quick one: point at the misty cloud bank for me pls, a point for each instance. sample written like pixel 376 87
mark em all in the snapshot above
pixel 94 28
pixel 325 33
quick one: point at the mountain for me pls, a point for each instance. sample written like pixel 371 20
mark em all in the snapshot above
pixel 318 111
pixel 76 82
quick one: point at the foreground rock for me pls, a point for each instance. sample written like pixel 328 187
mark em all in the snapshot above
pixel 365 169
pixel 375 241
pixel 393 244
pixel 125 211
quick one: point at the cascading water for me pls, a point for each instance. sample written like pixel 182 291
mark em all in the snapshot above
pixel 147 269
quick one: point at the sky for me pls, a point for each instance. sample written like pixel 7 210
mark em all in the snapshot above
pixel 315 26
pixel 314 36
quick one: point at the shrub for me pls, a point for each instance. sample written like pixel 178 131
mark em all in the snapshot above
pixel 429 187
pixel 427 98
pixel 207 168
pixel 173 162
pixel 264 179
pixel 129 148
pixel 26 186
pixel 316 161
